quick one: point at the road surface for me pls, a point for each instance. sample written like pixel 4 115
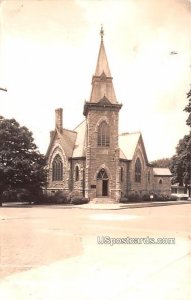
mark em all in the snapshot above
pixel 57 252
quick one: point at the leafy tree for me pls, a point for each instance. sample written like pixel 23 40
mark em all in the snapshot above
pixel 188 109
pixel 21 164
pixel 162 163
pixel 181 161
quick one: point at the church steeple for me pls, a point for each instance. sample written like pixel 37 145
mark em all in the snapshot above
pixel 102 85
pixel 102 115
pixel 102 63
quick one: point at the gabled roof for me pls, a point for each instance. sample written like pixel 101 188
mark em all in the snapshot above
pixel 67 140
pixel 79 147
pixel 127 144
pixel 104 100
pixel 122 155
pixel 72 141
pixel 161 172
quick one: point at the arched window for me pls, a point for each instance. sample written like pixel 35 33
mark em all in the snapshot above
pixel 57 169
pixel 102 174
pixel 76 173
pixel 103 135
pixel 149 176
pixel 138 170
pixel 160 181
pixel 121 174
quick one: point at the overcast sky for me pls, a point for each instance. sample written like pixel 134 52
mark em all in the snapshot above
pixel 48 55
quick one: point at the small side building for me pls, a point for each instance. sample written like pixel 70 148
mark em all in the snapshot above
pixel 162 180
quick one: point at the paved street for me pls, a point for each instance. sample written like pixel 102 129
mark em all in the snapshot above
pixel 53 253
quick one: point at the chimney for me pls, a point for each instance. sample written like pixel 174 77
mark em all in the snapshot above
pixel 58 118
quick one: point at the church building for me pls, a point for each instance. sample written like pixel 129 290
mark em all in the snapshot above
pixel 94 160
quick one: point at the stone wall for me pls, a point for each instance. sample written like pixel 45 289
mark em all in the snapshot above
pixel 143 185
pixel 102 157
pixel 162 184
pixel 77 184
pixel 58 185
pixel 124 177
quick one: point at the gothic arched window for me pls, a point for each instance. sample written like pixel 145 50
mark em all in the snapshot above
pixel 102 174
pixel 149 176
pixel 160 181
pixel 103 135
pixel 121 174
pixel 76 173
pixel 138 170
pixel 57 168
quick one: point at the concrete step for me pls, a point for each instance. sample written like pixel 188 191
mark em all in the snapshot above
pixel 102 200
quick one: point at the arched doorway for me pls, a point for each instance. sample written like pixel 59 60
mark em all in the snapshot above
pixel 102 183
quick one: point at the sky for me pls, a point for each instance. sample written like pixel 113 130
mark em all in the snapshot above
pixel 48 54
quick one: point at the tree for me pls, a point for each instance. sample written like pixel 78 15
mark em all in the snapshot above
pixel 162 163
pixel 188 109
pixel 180 166
pixel 21 164
pixel 181 161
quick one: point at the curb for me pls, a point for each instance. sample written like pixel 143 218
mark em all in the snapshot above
pixel 131 206
pixel 102 206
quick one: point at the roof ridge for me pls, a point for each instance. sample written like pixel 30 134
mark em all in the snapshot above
pixel 126 133
pixel 79 125
pixel 69 130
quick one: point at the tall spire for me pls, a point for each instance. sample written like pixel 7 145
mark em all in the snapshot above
pixel 102 63
pixel 102 94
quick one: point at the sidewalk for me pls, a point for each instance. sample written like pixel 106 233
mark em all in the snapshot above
pixel 117 206
pixel 101 206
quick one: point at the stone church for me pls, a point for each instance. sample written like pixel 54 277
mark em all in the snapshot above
pixel 94 159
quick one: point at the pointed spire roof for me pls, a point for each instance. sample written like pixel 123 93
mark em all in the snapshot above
pixel 102 63
pixel 102 85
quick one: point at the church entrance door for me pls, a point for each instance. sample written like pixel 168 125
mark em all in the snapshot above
pixel 104 187
pixel 102 183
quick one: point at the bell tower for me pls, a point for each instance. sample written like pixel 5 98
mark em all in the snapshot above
pixel 102 150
